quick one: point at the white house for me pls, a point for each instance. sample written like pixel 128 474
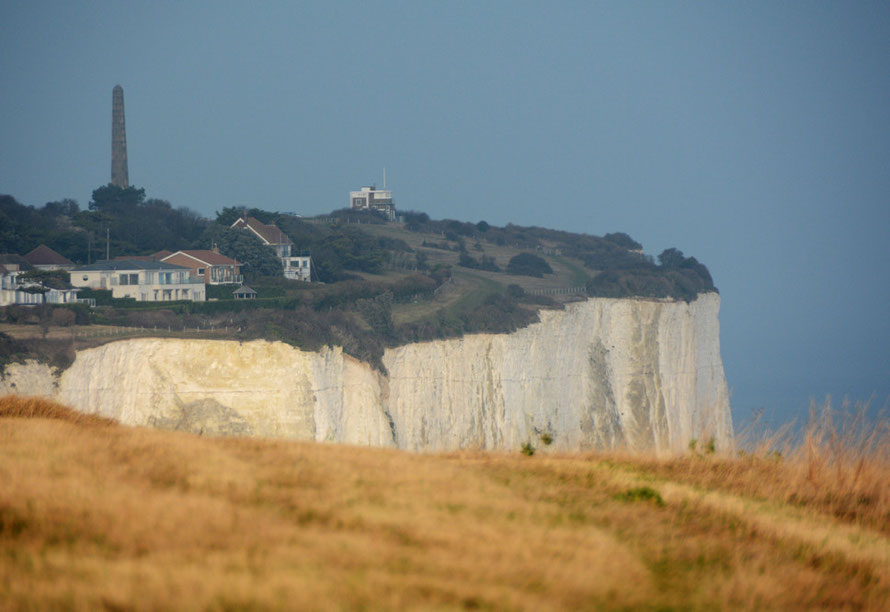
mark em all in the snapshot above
pixel 16 290
pixel 296 267
pixel 371 198
pixel 144 281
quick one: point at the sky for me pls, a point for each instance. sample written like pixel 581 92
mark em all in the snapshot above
pixel 754 136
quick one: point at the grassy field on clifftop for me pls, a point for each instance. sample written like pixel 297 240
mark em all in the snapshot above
pixel 97 515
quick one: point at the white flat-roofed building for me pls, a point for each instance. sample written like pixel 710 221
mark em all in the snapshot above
pixel 371 198
pixel 144 281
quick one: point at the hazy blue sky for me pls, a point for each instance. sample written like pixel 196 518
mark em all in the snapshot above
pixel 754 136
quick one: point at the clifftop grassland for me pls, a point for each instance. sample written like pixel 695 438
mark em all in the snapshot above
pixel 94 514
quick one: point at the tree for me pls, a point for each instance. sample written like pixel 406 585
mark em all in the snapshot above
pixel 228 215
pixel 114 199
pixel 529 264
pixel 671 258
pixel 623 240
pixel 259 258
pixel 63 208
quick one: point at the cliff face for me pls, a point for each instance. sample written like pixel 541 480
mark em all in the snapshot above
pixel 603 373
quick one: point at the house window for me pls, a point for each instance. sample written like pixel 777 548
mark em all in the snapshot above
pixel 200 271
pixel 85 277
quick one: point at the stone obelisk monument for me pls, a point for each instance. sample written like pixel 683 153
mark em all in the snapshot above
pixel 119 174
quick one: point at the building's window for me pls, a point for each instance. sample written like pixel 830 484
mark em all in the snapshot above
pixel 200 271
pixel 85 277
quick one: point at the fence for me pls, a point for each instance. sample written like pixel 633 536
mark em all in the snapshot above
pixel 109 331
pixel 558 291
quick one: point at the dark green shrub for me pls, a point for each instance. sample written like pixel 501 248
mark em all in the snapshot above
pixel 623 240
pixel 529 264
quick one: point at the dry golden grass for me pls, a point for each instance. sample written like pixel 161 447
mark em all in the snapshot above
pixel 97 515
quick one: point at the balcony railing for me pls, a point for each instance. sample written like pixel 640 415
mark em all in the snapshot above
pixel 186 281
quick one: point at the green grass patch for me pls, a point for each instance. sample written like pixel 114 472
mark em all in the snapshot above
pixel 641 494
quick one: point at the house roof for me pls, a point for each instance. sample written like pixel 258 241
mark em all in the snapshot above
pixel 269 233
pixel 210 258
pixel 129 264
pixel 135 258
pixel 244 290
pixel 45 256
pixel 12 258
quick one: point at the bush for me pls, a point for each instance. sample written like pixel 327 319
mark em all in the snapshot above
pixel 11 350
pixel 102 296
pixel 624 241
pixel 63 317
pixel 529 264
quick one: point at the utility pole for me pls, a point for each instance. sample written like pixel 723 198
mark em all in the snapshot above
pixel 107 243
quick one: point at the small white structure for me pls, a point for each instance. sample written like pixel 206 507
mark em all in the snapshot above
pixel 244 293
pixel 371 198
pixel 144 281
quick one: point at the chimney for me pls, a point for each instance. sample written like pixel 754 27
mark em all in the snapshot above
pixel 215 248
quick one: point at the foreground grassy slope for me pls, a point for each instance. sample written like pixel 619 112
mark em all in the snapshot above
pixel 93 514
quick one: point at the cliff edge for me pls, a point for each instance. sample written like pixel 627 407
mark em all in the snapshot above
pixel 603 373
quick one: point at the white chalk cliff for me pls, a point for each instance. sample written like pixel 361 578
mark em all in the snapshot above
pixel 604 373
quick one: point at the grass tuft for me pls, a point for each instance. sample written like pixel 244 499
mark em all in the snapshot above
pixel 641 494
pixel 13 406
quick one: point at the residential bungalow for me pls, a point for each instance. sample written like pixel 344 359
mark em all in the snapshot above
pixel 212 267
pixel 297 267
pixel 10 290
pixel 144 281
pixel 21 291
